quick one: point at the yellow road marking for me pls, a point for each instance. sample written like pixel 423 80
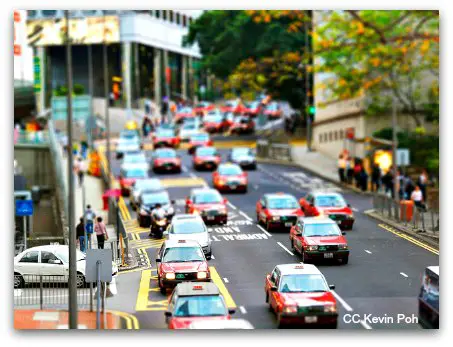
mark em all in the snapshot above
pixel 145 244
pixel 218 281
pixel 183 182
pixel 124 209
pixel 129 271
pixel 131 320
pixel 410 239
pixel 145 253
pixel 143 291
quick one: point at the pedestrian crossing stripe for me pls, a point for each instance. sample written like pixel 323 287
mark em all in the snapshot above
pixel 183 182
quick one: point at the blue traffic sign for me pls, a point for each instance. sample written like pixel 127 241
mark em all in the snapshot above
pixel 24 208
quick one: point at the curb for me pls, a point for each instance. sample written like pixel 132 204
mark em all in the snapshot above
pixel 130 267
pixel 430 241
pixel 314 173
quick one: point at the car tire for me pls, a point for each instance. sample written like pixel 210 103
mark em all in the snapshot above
pixel 245 190
pixel 302 254
pixel 332 325
pixel 345 260
pixel 209 256
pixel 80 280
pixel 162 290
pixel 279 321
pixel 18 281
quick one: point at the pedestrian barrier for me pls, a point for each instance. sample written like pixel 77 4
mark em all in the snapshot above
pixel 49 292
pixel 276 151
pixel 404 212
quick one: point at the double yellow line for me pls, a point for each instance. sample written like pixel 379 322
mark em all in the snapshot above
pixel 410 239
pixel 131 321
pixel 124 210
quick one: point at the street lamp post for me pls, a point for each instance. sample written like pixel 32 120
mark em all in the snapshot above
pixel 107 116
pixel 72 236
pixel 394 149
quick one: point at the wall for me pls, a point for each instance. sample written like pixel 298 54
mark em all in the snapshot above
pixel 35 163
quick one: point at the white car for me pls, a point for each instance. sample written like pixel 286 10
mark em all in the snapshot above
pixel 188 129
pixel 136 160
pixel 190 227
pixel 51 262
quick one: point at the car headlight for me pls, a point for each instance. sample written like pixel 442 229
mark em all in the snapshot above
pixel 223 210
pixel 201 275
pixel 276 218
pixel 311 248
pixel 290 309
pixel 343 246
pixel 349 216
pixel 170 276
pixel 196 212
pixel 330 308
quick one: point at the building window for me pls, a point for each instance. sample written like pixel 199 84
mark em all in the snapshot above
pixel 171 14
pixel 336 135
pixel 157 13
pixel 31 14
pixel 164 14
pixel 320 138
pixel 184 20
pixel 49 13
pixel 330 137
pixel 190 20
pixel 178 19
pixel 341 134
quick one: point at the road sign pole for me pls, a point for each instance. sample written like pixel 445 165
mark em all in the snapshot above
pixel 98 296
pixel 394 149
pixel 107 98
pixel 25 231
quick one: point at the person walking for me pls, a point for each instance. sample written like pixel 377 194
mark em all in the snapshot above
pixel 101 233
pixel 89 216
pixel 363 180
pixel 146 126
pixel 357 172
pixel 417 198
pixel 341 168
pixel 409 186
pixel 80 234
pixel 376 178
pixel 81 168
pixel 349 169
pixel 422 182
pixel 164 109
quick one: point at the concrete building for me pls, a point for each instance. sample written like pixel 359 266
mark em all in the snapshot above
pixel 146 58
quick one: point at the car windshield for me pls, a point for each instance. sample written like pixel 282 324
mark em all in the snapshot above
pixel 207 197
pixel 128 135
pixel 330 201
pixel 136 173
pixel 165 154
pixel 253 104
pixel 199 306
pixel 64 256
pixel 241 152
pixel 303 283
pixel 148 185
pixel 272 107
pixel 200 137
pixel 185 110
pixel 325 229
pixel 152 199
pixel 128 142
pixel 284 202
pixel 205 151
pixel 134 158
pixel 202 105
pixel 213 118
pixel 165 133
pixel 193 226
pixel 189 126
pixel 230 170
pixel 183 254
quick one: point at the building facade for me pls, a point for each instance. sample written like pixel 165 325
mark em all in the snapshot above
pixel 146 57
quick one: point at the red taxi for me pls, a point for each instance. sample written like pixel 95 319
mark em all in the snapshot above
pixel 199 140
pixel 233 106
pixel 128 175
pixel 182 114
pixel 242 125
pixel 209 204
pixel 217 122
pixel 181 261
pixel 252 109
pixel 195 302
pixel 299 294
pixel 273 110
pixel 166 160
pixel 206 158
pixel 278 210
pixel 319 238
pixel 331 205
pixel 202 108
pixel 166 138
pixel 230 177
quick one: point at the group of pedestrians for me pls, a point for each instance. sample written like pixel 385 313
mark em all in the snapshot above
pixel 351 171
pixel 90 223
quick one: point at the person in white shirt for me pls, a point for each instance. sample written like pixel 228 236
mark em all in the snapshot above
pixel 342 168
pixel 79 169
pixel 417 197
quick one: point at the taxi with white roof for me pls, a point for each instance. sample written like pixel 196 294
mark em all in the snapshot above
pixel 299 294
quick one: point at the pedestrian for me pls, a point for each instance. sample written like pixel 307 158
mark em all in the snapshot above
pixel 90 216
pixel 357 171
pixel 341 168
pixel 164 109
pixel 146 126
pixel 376 178
pixel 148 107
pixel 112 99
pixel 363 180
pixel 349 169
pixel 80 234
pixel 80 169
pixel 409 187
pixel 101 233
pixel 422 182
pixel 417 198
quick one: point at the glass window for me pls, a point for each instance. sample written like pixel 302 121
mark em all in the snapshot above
pixel 49 13
pixel 341 134
pixel 31 14
pixel 208 197
pixel 230 170
pixel 303 283
pixel 110 12
pixel 157 13
pixel 184 21
pixel 200 137
pixel 330 201
pixel 190 20
pixel 152 199
pixel 330 136
pixel 165 154
pixel 89 12
pixel 320 138
pixel 206 151
pixel 199 306
pixel 327 229
pixel 135 158
pixel 335 135
pixel 164 14
pixel 165 133
pixel 46 256
pixel 30 257
pixel 213 118
pixel 136 173
pixel 191 226
pixel 178 18
pixel 237 152
pixel 153 184
pixel 274 276
pixel 171 16
pixel 183 254
pixel 283 202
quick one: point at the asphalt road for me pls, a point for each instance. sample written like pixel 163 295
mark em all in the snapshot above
pixel 382 278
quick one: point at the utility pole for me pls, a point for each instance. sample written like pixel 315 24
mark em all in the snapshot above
pixel 107 99
pixel 307 77
pixel 72 236
pixel 394 148
pixel 90 91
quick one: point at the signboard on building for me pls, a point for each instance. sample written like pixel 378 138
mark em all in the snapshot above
pixel 89 30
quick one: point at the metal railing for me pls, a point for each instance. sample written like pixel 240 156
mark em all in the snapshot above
pixel 410 216
pixel 120 247
pixel 48 292
pixel 276 151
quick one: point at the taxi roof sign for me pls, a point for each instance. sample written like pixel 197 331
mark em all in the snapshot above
pixel 197 287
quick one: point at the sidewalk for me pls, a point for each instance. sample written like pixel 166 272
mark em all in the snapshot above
pixel 50 320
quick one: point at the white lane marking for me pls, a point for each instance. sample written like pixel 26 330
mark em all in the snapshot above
pixel 403 274
pixel 342 302
pixel 255 187
pixel 355 209
pixel 365 325
pixel 225 280
pixel 231 205
pixel 242 309
pixel 368 251
pixel 368 211
pixel 247 217
pixel 212 257
pixel 184 169
pixel 264 230
pixel 286 249
pixel 192 175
